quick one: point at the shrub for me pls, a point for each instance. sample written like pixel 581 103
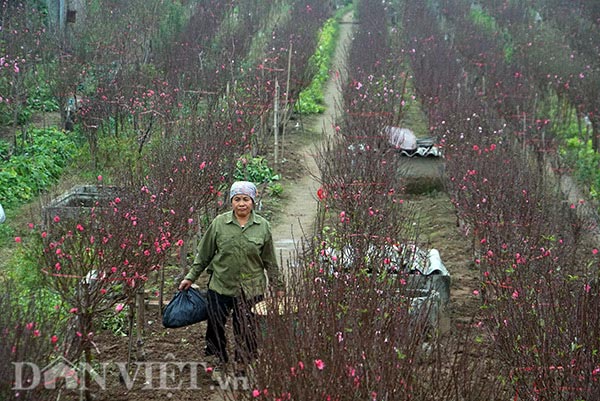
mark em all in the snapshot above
pixel 35 164
pixel 30 332
pixel 254 169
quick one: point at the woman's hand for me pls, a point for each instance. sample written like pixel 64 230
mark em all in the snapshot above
pixel 185 284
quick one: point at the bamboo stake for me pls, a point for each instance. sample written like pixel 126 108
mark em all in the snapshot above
pixel 276 120
pixel 287 98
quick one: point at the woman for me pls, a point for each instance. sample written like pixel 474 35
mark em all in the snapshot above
pixel 236 250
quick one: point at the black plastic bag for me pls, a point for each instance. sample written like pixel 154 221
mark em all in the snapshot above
pixel 187 307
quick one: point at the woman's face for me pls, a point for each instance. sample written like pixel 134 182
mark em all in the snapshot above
pixel 242 205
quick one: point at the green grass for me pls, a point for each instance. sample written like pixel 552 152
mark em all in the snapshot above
pixel 311 99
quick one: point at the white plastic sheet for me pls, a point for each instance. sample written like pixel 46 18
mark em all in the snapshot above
pixel 401 138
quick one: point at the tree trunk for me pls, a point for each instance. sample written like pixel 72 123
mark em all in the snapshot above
pixel 595 120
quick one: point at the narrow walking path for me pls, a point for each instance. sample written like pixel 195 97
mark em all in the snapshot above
pixel 297 219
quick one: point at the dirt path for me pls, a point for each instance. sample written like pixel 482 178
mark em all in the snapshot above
pixel 296 220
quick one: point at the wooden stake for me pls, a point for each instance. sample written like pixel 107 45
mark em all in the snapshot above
pixel 276 120
pixel 287 98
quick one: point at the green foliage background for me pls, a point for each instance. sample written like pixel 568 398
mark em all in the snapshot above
pixel 38 162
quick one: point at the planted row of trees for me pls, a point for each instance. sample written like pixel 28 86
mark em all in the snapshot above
pixel 185 112
pixel 173 96
pixel 353 335
pixel 538 269
pixel 534 336
pixel 559 98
